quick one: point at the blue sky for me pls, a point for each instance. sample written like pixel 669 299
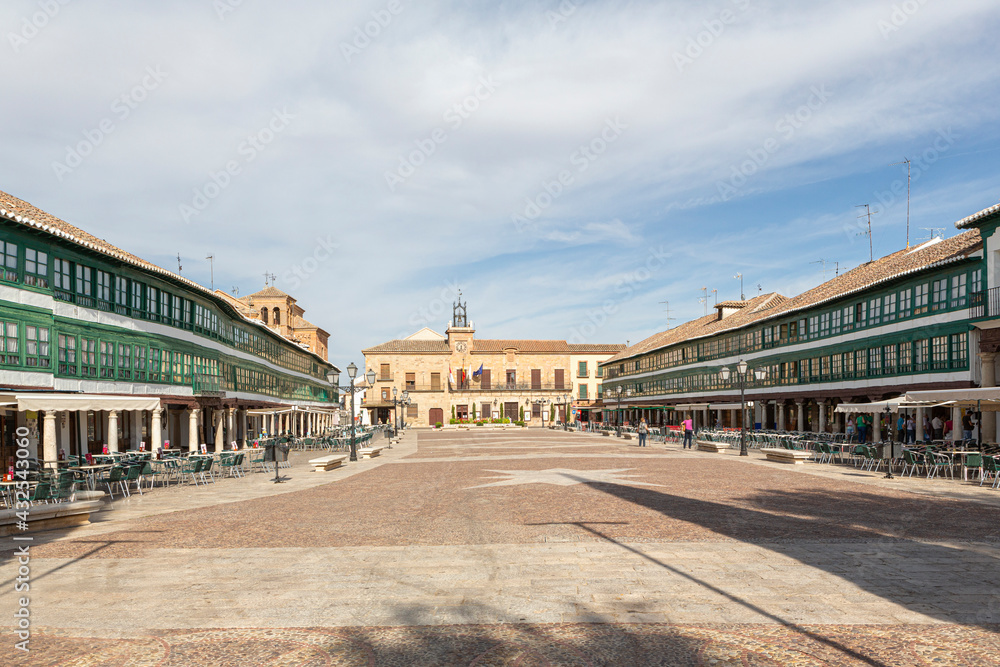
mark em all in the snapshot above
pixel 569 165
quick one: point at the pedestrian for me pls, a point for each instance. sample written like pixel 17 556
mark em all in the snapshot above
pixel 911 430
pixel 948 428
pixel 900 427
pixel 928 431
pixel 849 430
pixel 937 424
pixel 967 426
pixel 642 430
pixel 688 434
pixel 862 430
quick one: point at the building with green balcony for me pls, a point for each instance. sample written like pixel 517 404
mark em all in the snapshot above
pixel 99 347
pixel 913 320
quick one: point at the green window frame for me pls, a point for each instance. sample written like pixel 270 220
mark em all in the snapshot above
pixel 8 261
pixel 960 350
pixel 36 346
pixel 62 279
pixel 152 302
pixel 88 357
pixel 165 307
pixel 582 392
pixel 124 361
pixel 137 299
pixel 154 364
pixel 921 355
pixel 939 352
pixel 36 268
pixel 906 357
pixel 905 302
pixel 66 354
pixel 84 285
pixel 10 350
pixel 889 308
pixel 107 358
pixel 940 294
pixel 103 288
pixel 920 298
pixel 889 359
pixel 977 281
pixel 139 362
pixel 875 311
pixel 959 295
pixel 581 369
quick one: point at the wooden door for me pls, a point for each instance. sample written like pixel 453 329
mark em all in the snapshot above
pixel 485 380
pixel 435 415
pixel 510 411
pixel 536 378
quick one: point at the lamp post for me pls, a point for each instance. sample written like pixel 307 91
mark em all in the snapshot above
pixel 620 392
pixel 888 455
pixel 352 372
pixel 741 372
pixel 398 419
pixel 565 412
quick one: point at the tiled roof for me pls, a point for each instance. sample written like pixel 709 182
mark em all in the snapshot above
pixel 269 292
pixel 965 223
pixel 542 346
pixel 732 304
pixel 409 346
pixel 769 306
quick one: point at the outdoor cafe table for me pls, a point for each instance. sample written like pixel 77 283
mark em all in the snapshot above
pixel 91 472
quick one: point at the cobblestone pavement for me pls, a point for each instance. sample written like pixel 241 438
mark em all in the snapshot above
pixel 527 548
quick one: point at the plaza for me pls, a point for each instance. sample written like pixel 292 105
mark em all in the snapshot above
pixel 528 547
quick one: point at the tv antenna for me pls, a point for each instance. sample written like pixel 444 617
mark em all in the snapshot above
pixel 826 262
pixel 235 290
pixel 667 309
pixel 269 278
pixel 739 277
pixel 868 213
pixel 703 299
pixel 211 262
pixel 906 161
pixel 179 267
pixel 930 232
pixel 759 289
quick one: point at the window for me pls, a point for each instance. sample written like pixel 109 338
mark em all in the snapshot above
pixel 165 307
pixel 263 314
pixel 152 301
pixel 889 359
pixel 178 311
pixel 583 392
pixel 104 286
pixel 560 379
pixel 848 361
pixel 277 316
pixel 124 361
pixel 84 281
pixel 581 371
pixel 958 291
pixel 940 294
pixel 814 327
pixel 861 363
pixel 835 322
pixel 600 371
pixel 960 350
pixel 824 324
pixel 187 312
pixel 920 293
pixel 412 411
pixel 136 299
pixel 435 382
pixel 9 351
pixel 36 346
pixel 36 268
pixel 384 372
pixel 121 291
pixel 411 381
pixel 154 364
pixel 88 357
pixel 67 354
pixel 905 300
pixel 140 362
pixel 8 261
pixel 905 357
pixel 977 281
pixel 62 278
pixel 511 378
pixel 835 367
pixel 861 315
pixel 600 391
pixel 107 360
pixel 939 352
pixel 889 308
pixel 875 311
pixel 920 355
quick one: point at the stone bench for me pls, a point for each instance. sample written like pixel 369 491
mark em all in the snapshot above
pixel 606 434
pixel 715 447
pixel 370 452
pixel 51 516
pixel 627 436
pixel 330 462
pixel 793 456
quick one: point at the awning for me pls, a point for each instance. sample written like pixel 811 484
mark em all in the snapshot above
pixel 73 402
pixel 710 406
pixel 988 398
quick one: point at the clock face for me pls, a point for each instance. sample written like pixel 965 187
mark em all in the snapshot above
pixel 461 347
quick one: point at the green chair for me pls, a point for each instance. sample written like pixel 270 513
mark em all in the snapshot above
pixel 191 467
pixel 113 478
pixel 973 463
pixel 912 461
pixel 206 467
pixel 132 475
pixel 938 463
pixel 991 468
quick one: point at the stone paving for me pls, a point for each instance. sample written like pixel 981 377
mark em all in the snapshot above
pixel 527 548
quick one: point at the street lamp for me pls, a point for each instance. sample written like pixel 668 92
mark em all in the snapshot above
pixel 352 372
pixel 741 372
pixel 620 392
pixel 565 412
pixel 888 456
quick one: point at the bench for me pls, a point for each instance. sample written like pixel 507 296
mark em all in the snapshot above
pixel 330 462
pixel 606 434
pixel 793 456
pixel 627 436
pixel 52 516
pixel 715 447
pixel 370 452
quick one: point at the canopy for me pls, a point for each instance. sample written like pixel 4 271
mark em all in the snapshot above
pixel 988 398
pixel 892 405
pixel 710 406
pixel 73 402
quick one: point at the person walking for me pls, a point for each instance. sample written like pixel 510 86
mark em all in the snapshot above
pixel 688 434
pixel 967 426
pixel 911 430
pixel 862 429
pixel 642 430
pixel 937 424
pixel 900 427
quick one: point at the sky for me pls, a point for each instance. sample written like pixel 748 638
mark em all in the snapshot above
pixel 580 170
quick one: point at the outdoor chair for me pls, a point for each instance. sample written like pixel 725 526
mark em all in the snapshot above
pixel 206 467
pixel 40 494
pixel 973 463
pixel 191 467
pixel 132 475
pixel 938 463
pixel 912 461
pixel 113 478
pixel 991 468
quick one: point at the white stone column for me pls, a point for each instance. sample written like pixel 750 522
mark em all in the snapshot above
pixel 876 427
pixel 919 423
pixel 231 427
pixel 156 429
pixel 956 424
pixel 821 406
pixel 193 438
pixel 112 431
pixel 781 415
pixel 50 449
pixel 800 416
pixel 988 426
pixel 218 419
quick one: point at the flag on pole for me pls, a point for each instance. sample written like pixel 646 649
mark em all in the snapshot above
pixel 479 372
pixel 451 378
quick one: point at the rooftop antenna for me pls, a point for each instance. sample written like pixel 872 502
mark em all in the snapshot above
pixel 759 289
pixel 269 278
pixel 716 293
pixel 211 262
pixel 868 214
pixel 906 161
pixel 703 299
pixel 825 262
pixel 235 291
pixel 179 267
pixel 739 277
pixel 667 308
pixel 931 235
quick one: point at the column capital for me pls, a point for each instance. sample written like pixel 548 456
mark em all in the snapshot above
pixel 113 414
pixel 50 415
pixel 820 401
pixel 987 356
pixel 195 411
